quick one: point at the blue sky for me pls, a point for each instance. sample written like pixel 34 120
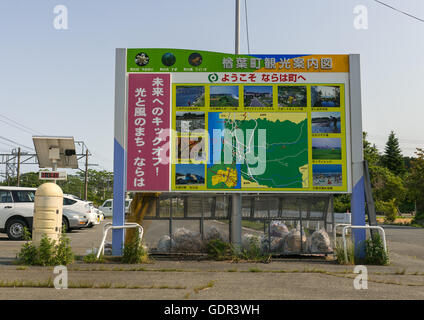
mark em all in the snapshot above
pixel 326 142
pixel 325 114
pixel 67 76
pixel 233 90
pixel 190 168
pixel 258 89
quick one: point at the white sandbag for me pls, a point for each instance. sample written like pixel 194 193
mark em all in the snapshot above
pixel 187 241
pixel 320 242
pixel 212 233
pixel 294 243
pixel 165 243
pixel 278 229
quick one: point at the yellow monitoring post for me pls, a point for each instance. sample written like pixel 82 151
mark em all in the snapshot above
pixel 48 206
pixel 52 152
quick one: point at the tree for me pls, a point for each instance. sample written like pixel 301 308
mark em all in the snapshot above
pixel 415 181
pixel 392 158
pixel 386 185
pixel 371 154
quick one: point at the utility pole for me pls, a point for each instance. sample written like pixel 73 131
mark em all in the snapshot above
pixel 86 175
pixel 18 171
pixel 236 197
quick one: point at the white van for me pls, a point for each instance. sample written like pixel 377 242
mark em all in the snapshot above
pixel 17 212
pixel 107 207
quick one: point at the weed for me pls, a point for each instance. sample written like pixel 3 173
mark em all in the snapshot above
pixel 21 268
pixel 134 251
pixel 221 250
pixel 340 252
pixel 374 251
pixel 218 249
pixel 92 258
pixel 48 253
pixel 210 284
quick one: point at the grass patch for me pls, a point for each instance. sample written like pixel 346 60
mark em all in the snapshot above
pixel 134 252
pixel 210 284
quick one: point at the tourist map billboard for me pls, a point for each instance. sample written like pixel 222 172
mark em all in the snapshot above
pixel 208 121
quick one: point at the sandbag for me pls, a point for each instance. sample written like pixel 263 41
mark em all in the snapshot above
pixel 187 241
pixel 165 243
pixel 293 242
pixel 278 229
pixel 320 242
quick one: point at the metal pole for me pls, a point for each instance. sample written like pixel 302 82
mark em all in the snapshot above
pixel 358 192
pixel 236 197
pixel 18 171
pixel 86 175
pixel 237 44
pixel 54 167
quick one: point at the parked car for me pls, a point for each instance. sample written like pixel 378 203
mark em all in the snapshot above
pixel 17 212
pixel 76 204
pixel 107 207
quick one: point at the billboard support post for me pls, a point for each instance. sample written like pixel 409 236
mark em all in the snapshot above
pixel 358 190
pixel 236 198
pixel 119 162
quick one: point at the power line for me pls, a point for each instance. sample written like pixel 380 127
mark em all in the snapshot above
pixel 398 10
pixel 16 143
pixel 12 125
pixel 19 124
pixel 247 27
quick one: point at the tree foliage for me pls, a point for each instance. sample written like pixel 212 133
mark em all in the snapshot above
pixel 99 187
pixel 415 181
pixel 371 154
pixel 392 158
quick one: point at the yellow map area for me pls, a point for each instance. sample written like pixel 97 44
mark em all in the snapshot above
pixel 228 177
pixel 295 117
pixel 304 170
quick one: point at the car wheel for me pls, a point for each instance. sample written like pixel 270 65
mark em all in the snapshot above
pixel 65 224
pixel 90 225
pixel 15 229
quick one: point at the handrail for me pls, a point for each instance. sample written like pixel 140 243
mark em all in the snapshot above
pixel 108 226
pixel 362 227
pixel 335 230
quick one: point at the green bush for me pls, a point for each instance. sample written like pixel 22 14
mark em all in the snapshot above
pixel 134 251
pixel 419 219
pixel 341 203
pixel 221 250
pixel 48 253
pixel 218 249
pixel 389 209
pixel 374 251
pixel 92 258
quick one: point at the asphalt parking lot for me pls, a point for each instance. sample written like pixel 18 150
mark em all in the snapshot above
pixel 170 279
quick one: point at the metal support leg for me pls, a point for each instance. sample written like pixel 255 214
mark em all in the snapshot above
pixel 236 220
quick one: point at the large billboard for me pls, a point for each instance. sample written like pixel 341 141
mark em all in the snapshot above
pixel 208 121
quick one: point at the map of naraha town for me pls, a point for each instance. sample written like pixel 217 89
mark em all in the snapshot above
pixel 286 151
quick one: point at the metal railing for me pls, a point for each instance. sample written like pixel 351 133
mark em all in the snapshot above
pixel 362 227
pixel 108 226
